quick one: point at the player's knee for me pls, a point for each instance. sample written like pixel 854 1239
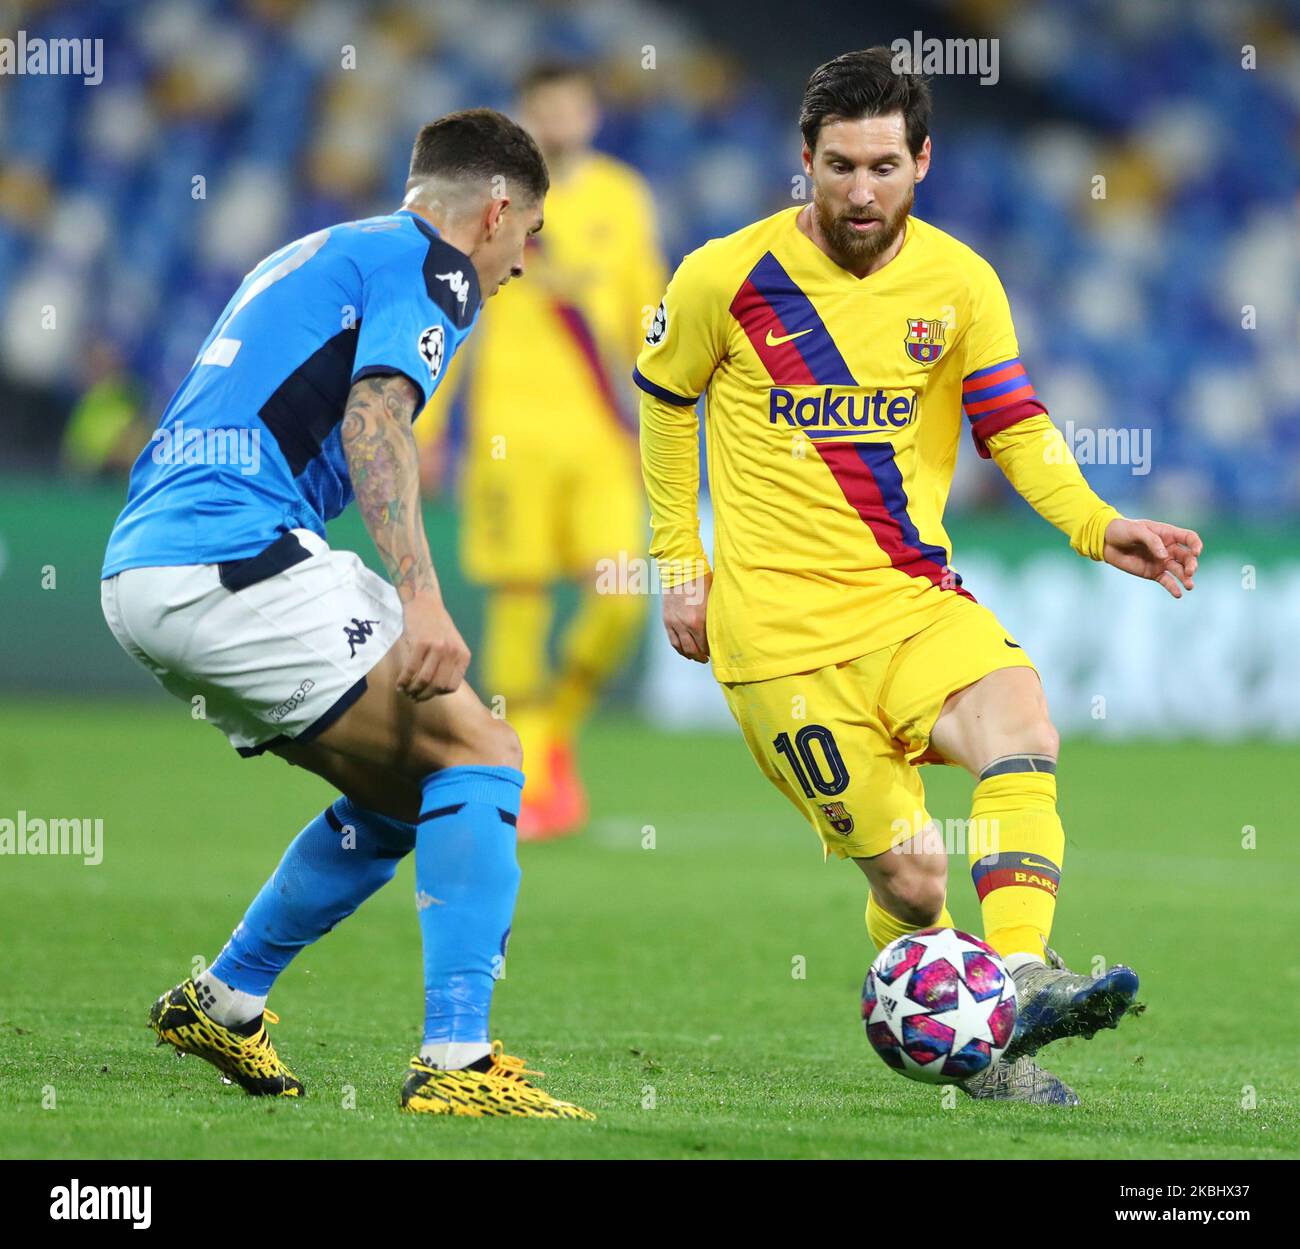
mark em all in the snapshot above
pixel 917 897
pixel 503 747
pixel 1041 737
pixel 476 739
pixel 919 906
pixel 1027 724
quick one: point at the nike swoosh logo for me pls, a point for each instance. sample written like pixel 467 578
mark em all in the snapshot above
pixel 784 338
pixel 1015 646
pixel 1031 863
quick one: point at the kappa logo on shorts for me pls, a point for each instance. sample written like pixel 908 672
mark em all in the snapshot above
pixel 840 819
pixel 357 633
pixel 295 699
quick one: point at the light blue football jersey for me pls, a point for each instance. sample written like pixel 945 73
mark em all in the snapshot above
pixel 248 448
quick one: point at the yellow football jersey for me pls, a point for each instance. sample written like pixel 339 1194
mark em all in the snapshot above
pixel 550 355
pixel 833 414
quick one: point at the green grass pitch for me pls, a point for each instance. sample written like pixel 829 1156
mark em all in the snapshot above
pixel 656 986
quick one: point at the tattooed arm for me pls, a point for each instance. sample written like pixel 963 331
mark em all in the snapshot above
pixel 384 466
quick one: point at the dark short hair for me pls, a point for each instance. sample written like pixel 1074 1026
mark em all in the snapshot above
pixel 481 144
pixel 543 73
pixel 864 84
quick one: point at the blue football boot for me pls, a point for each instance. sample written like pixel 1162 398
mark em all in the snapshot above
pixel 1053 1002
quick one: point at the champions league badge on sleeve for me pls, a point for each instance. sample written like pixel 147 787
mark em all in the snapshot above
pixel 432 345
pixel 658 327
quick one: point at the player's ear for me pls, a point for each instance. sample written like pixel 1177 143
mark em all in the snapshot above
pixel 494 216
pixel 923 160
pixel 807 160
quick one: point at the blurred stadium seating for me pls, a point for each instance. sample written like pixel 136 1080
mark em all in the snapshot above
pixel 130 210
pixel 1130 307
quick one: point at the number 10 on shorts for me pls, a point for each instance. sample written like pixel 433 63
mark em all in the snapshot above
pixel 817 772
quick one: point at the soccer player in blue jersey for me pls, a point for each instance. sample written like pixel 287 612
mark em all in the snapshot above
pixel 218 580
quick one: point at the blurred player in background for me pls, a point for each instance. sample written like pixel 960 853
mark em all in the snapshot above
pixel 551 486
pixel 840 343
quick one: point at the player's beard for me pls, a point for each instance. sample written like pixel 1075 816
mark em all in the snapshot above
pixel 852 250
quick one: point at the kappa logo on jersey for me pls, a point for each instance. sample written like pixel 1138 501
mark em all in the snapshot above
pixel 658 327
pixel 357 632
pixel 840 819
pixel 924 341
pixel 433 343
pixel 459 286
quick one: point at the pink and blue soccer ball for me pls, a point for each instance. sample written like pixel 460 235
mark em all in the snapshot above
pixel 939 1005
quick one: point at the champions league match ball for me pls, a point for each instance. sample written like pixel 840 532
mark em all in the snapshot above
pixel 939 1006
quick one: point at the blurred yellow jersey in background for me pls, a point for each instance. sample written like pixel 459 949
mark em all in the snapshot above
pixel 550 479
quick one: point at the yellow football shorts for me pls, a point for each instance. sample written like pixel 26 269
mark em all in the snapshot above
pixel 843 742
pixel 551 506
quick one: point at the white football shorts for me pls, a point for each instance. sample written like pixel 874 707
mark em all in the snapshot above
pixel 277 646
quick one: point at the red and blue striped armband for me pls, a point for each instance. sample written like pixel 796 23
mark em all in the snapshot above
pixel 996 398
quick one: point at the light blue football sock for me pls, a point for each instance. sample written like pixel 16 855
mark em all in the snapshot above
pixel 343 856
pixel 466 881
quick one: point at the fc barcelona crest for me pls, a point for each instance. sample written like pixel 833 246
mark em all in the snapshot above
pixel 841 821
pixel 924 341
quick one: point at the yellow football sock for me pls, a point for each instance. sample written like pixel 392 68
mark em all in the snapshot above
pixel 882 927
pixel 597 640
pixel 532 722
pixel 1015 813
pixel 516 630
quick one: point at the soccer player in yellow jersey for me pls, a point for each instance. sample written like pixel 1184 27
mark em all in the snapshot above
pixel 551 482
pixel 842 346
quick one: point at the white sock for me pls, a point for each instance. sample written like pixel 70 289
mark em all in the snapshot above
pixel 229 1007
pixel 453 1055
pixel 1014 962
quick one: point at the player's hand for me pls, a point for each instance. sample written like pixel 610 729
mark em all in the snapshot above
pixel 685 610
pixel 434 654
pixel 1161 553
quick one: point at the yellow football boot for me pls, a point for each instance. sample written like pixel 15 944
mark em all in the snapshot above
pixel 498 1090
pixel 249 1061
